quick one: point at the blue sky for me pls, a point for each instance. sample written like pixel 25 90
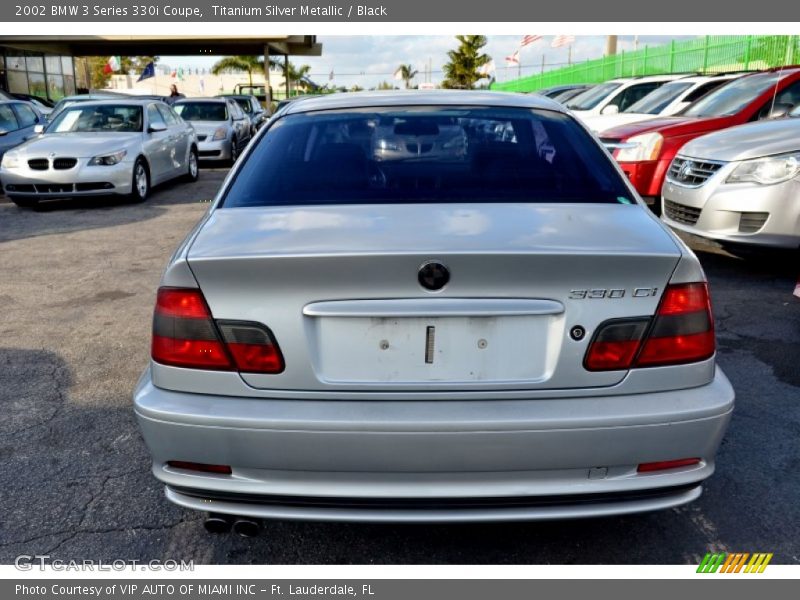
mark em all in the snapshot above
pixel 368 60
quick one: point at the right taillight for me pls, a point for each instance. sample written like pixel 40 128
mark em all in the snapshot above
pixel 186 335
pixel 681 332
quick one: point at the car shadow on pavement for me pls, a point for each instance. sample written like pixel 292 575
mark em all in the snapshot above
pixel 68 215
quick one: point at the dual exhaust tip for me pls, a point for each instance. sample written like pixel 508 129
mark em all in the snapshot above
pixel 242 526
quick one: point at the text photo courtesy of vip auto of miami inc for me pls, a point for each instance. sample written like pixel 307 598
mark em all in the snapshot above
pixel 399 300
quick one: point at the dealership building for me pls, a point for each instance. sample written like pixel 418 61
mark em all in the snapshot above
pixel 52 66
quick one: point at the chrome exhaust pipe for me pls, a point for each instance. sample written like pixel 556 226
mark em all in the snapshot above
pixel 216 523
pixel 247 528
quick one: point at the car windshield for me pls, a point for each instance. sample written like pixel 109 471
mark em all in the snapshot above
pixel 592 97
pixel 426 155
pixel 732 97
pixel 202 111
pixel 85 118
pixel 659 99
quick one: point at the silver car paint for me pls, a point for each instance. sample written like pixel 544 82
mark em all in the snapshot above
pixel 721 203
pixel 166 153
pixel 238 129
pixel 304 436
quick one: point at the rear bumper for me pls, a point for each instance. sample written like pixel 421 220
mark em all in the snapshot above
pixel 434 461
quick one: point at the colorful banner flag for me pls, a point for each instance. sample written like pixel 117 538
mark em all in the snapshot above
pixel 527 40
pixel 148 71
pixel 513 59
pixel 113 65
pixel 562 40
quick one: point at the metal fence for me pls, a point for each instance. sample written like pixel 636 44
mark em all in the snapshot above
pixel 709 54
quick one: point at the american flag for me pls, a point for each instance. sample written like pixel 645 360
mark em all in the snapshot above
pixel 513 58
pixel 562 40
pixel 527 40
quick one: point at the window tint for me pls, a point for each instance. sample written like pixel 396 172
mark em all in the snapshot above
pixel 244 104
pixel 633 94
pixel 702 90
pixel 154 116
pixel 787 98
pixel 25 115
pixel 202 111
pixel 426 155
pixel 733 97
pixel 169 117
pixel 656 101
pixel 108 117
pixel 8 122
pixel 592 97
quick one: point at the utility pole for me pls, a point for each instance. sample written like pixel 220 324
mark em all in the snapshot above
pixel 611 45
pixel 542 63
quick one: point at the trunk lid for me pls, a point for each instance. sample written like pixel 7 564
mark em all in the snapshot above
pixel 338 287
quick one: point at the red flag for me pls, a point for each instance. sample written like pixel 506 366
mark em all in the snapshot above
pixel 527 40
pixel 107 69
pixel 562 40
pixel 513 58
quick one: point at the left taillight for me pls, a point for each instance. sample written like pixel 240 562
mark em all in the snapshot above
pixel 186 335
pixel 681 332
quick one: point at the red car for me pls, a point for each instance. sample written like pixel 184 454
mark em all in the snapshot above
pixel 645 150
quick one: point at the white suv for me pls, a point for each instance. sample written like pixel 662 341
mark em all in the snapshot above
pixel 616 95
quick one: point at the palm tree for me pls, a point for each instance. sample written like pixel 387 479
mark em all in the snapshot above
pixel 463 70
pixel 248 64
pixel 294 74
pixel 407 73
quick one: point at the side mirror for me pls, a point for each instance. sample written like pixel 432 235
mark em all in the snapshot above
pixel 611 109
pixel 780 110
pixel 156 127
pixel 38 128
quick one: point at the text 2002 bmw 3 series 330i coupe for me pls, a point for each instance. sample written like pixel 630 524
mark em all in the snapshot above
pixel 431 307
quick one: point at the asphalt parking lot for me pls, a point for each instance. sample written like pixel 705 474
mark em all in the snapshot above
pixel 77 283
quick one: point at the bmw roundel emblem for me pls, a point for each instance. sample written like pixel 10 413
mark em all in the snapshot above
pixel 433 275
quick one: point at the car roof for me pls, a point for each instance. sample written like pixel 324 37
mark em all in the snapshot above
pixel 421 98
pixel 130 101
pixel 214 99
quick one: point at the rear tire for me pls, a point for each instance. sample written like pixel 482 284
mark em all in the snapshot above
pixel 24 202
pixel 140 182
pixel 193 168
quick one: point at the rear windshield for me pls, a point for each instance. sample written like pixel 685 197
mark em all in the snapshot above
pixel 202 111
pixel 426 154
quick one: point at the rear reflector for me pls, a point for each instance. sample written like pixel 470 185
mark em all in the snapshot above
pixel 681 332
pixel 666 464
pixel 202 467
pixel 186 335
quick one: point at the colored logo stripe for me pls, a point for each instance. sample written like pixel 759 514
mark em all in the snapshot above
pixel 733 563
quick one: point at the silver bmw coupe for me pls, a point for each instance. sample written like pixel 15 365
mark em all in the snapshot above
pixel 430 306
pixel 97 148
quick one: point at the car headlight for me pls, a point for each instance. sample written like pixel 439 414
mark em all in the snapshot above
pixel 766 171
pixel 640 147
pixel 389 145
pixel 107 160
pixel 220 134
pixel 10 160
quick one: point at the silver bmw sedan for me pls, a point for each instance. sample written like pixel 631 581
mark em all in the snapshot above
pixel 108 147
pixel 430 307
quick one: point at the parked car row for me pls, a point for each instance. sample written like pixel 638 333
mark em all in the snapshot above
pixel 104 144
pixel 713 155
